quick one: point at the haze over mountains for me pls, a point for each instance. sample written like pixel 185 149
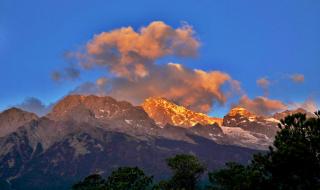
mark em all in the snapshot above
pixel 89 134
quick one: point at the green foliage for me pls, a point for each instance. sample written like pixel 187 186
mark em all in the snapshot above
pixel 126 178
pixel 92 182
pixel 293 163
pixel 295 160
pixel 187 170
pixel 238 177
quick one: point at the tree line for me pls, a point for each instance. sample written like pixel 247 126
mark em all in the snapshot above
pixel 292 163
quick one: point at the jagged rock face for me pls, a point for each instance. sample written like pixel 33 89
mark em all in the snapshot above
pixel 241 112
pixel 86 134
pixel 283 114
pixel 34 162
pixel 165 112
pixel 13 118
pixel 87 108
pixel 105 112
pixel 240 117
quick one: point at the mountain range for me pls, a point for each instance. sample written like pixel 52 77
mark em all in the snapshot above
pixel 93 134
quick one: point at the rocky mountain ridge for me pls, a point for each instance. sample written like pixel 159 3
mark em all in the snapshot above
pixel 165 112
pixel 88 134
pixel 13 118
pixel 282 115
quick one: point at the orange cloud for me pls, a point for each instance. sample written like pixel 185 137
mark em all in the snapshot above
pixel 195 89
pixel 261 105
pixel 297 78
pixel 264 84
pixel 129 58
pixel 129 54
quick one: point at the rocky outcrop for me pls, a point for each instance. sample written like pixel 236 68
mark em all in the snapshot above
pixel 165 112
pixel 13 118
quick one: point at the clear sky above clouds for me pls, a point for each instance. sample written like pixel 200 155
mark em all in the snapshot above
pixel 274 41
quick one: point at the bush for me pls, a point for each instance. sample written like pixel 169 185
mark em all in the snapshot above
pixel 187 170
pixel 124 178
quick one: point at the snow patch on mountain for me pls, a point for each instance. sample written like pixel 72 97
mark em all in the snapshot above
pixel 246 138
pixel 272 120
pixel 79 147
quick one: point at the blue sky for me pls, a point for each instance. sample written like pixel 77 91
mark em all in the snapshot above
pixel 246 39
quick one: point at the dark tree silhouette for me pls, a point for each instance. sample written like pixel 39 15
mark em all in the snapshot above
pixel 92 182
pixel 187 170
pixel 126 178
